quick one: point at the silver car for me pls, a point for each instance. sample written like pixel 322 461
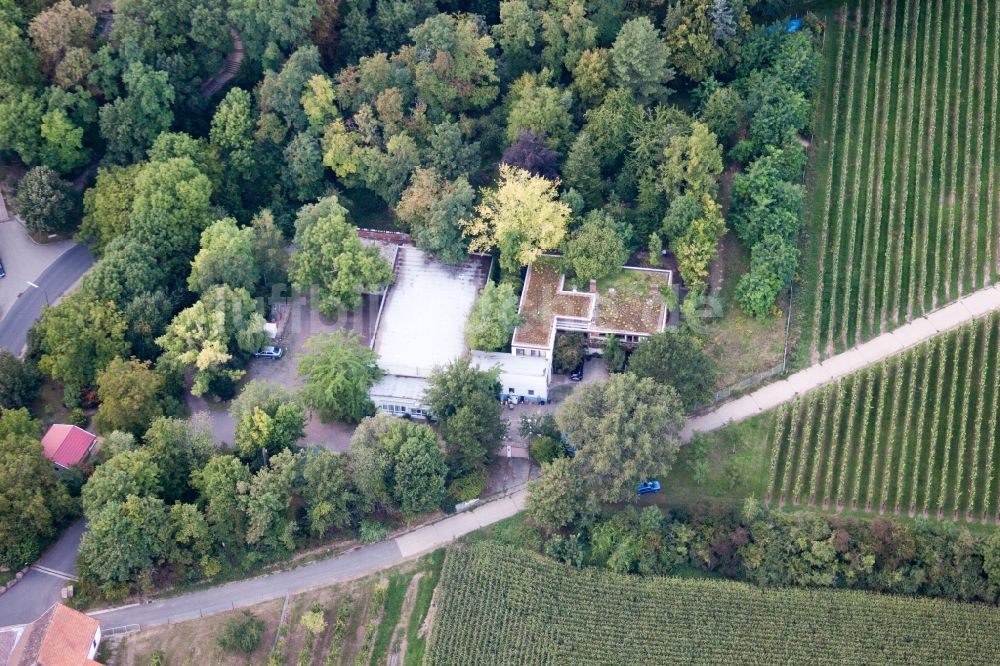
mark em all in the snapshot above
pixel 269 352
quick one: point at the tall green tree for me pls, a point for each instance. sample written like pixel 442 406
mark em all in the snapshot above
pixel 433 207
pixel 142 523
pixel 597 249
pixel 493 317
pixel 221 484
pixel 330 257
pixel 131 396
pixel 522 217
pixel 33 502
pixel 46 202
pixel 127 473
pixel 337 373
pixel 107 206
pixel 419 473
pixel 676 358
pixel 625 430
pixel 582 171
pixel 179 447
pixel 78 338
pixel 271 505
pixel 274 426
pixel 226 257
pixel 640 60
pixel 328 494
pixel 270 28
pixel 213 337
pixel 131 123
pixel 20 381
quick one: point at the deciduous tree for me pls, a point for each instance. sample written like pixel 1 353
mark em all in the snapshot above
pixel 678 359
pixel 419 472
pixel 522 218
pixel 19 381
pixel 330 257
pixel 78 338
pixel 46 202
pixel 33 502
pixel 493 317
pixel 434 208
pixel 140 522
pixel 226 257
pixel 597 249
pixel 625 430
pixel 337 372
pixel 213 337
pixel 131 394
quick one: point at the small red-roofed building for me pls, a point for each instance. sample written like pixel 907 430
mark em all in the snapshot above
pixel 67 445
pixel 60 637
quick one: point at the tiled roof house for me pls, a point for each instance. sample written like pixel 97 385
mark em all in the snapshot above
pixel 60 637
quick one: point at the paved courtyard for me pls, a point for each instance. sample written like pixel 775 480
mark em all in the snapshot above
pixel 303 322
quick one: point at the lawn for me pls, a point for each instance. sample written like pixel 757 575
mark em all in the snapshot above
pixel 741 345
pixel 500 605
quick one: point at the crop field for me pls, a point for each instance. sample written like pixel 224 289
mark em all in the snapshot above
pixel 903 179
pixel 501 605
pixel 915 434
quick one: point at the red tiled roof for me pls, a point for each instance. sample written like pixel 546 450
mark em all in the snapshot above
pixel 60 637
pixel 67 445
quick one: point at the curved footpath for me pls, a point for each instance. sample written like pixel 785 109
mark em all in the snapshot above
pixel 352 564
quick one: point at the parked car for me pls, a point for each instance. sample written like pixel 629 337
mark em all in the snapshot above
pixel 269 352
pixel 577 373
pixel 648 488
pixel 3 273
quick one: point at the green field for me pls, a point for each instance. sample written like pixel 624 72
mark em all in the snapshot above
pixel 903 201
pixel 915 434
pixel 500 605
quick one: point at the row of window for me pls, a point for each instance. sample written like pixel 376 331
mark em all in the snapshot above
pixel 511 390
pixel 400 409
pixel 531 352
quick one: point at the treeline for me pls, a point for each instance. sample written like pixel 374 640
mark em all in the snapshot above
pixel 771 548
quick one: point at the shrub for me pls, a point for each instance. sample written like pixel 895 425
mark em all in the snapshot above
pixel 78 417
pixel 544 450
pixel 569 351
pixel 242 634
pixel 468 487
pixel 371 531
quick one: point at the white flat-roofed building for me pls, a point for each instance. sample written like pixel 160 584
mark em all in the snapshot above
pixel 523 377
pixel 421 325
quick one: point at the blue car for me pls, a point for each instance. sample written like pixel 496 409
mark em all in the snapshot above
pixel 648 488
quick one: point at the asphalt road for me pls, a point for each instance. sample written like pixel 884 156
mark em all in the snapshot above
pixel 352 564
pixel 56 279
pixel 249 592
pixel 33 595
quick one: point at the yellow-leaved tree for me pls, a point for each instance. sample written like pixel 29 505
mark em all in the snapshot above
pixel 522 217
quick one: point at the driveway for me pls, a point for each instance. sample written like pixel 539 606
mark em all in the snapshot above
pixel 23 260
pixel 42 585
pixel 56 279
pixel 303 322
